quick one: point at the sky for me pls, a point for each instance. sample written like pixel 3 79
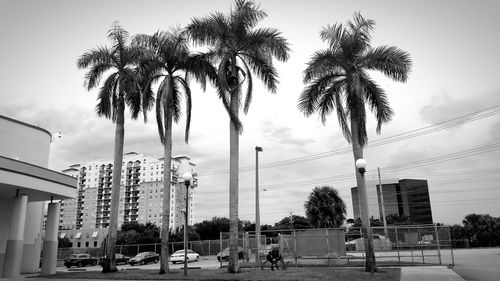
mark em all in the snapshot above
pixel 446 116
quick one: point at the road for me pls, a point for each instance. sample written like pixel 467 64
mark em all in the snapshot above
pixel 478 264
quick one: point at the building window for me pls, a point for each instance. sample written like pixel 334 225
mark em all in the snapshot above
pixel 79 244
pixel 87 244
pixel 95 244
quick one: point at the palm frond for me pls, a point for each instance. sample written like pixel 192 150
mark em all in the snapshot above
pixel 160 100
pixel 210 30
pixel 119 37
pixel 379 103
pixel 93 76
pixel 268 41
pixel 248 96
pixel 99 55
pixel 333 35
pixel 310 97
pixel 322 63
pixel 189 104
pixel 263 68
pixel 245 15
pixel 174 102
pixel 105 99
pixel 392 61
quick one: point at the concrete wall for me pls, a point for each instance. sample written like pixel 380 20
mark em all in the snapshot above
pixel 24 142
pixel 5 218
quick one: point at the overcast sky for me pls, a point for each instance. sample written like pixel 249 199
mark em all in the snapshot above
pixel 453 44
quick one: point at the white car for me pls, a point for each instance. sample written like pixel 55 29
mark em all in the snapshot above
pixel 178 256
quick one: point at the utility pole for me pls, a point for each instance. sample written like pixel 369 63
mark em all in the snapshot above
pixel 257 210
pixel 386 232
pixel 291 220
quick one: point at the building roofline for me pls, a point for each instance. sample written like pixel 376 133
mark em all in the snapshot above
pixel 26 124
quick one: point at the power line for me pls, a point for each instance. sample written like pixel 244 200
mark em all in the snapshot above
pixel 490 111
pixel 409 165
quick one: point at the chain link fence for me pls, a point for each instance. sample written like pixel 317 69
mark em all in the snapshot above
pixel 394 245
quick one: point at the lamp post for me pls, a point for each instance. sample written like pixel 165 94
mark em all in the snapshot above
pixel 370 264
pixel 187 181
pixel 257 210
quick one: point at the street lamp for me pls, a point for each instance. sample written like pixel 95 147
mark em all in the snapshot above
pixel 257 211
pixel 365 217
pixel 187 181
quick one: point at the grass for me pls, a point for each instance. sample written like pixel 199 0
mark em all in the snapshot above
pixel 292 273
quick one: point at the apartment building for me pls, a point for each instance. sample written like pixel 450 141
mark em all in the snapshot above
pixel 141 193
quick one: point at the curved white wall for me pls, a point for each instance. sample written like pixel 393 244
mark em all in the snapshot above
pixel 24 142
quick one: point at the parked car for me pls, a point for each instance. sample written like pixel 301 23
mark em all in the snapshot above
pixel 178 256
pixel 79 260
pixel 144 258
pixel 224 255
pixel 120 259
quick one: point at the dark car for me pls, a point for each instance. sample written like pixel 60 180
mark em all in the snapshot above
pixel 120 259
pixel 224 255
pixel 144 258
pixel 79 260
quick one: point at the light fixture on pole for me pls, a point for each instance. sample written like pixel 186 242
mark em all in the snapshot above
pixel 187 177
pixel 257 210
pixel 370 263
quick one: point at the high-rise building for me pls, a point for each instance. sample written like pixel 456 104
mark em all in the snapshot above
pixel 408 197
pixel 141 192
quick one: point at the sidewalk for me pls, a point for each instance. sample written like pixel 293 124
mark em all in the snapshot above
pixel 434 273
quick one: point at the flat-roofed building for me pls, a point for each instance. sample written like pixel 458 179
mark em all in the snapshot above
pixel 409 197
pixel 25 185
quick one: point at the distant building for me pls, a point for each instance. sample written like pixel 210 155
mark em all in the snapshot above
pixel 408 197
pixel 141 194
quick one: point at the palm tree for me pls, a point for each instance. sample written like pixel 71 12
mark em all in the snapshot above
pixel 338 77
pixel 325 208
pixel 119 88
pixel 169 62
pixel 239 48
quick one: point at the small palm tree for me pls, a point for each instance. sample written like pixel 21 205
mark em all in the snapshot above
pixel 168 61
pixel 239 49
pixel 325 208
pixel 120 87
pixel 338 81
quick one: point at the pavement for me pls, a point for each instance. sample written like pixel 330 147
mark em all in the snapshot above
pixel 434 273
pixel 408 273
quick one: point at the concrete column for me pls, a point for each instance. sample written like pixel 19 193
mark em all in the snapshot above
pixel 15 242
pixel 49 254
pixel 32 237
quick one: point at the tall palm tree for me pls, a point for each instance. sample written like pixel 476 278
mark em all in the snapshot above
pixel 325 208
pixel 239 48
pixel 119 88
pixel 169 62
pixel 338 77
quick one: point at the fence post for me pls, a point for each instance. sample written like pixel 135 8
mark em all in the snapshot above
pixel 420 245
pixel 220 259
pixel 411 244
pixel 438 244
pixel 295 246
pixel 138 248
pixel 327 246
pixel 209 252
pixel 397 243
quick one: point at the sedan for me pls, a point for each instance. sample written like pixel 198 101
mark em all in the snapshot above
pixel 224 255
pixel 144 258
pixel 120 259
pixel 79 260
pixel 178 256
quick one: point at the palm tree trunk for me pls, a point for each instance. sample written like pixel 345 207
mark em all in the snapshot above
pixel 233 181
pixel 167 165
pixel 357 149
pixel 115 188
